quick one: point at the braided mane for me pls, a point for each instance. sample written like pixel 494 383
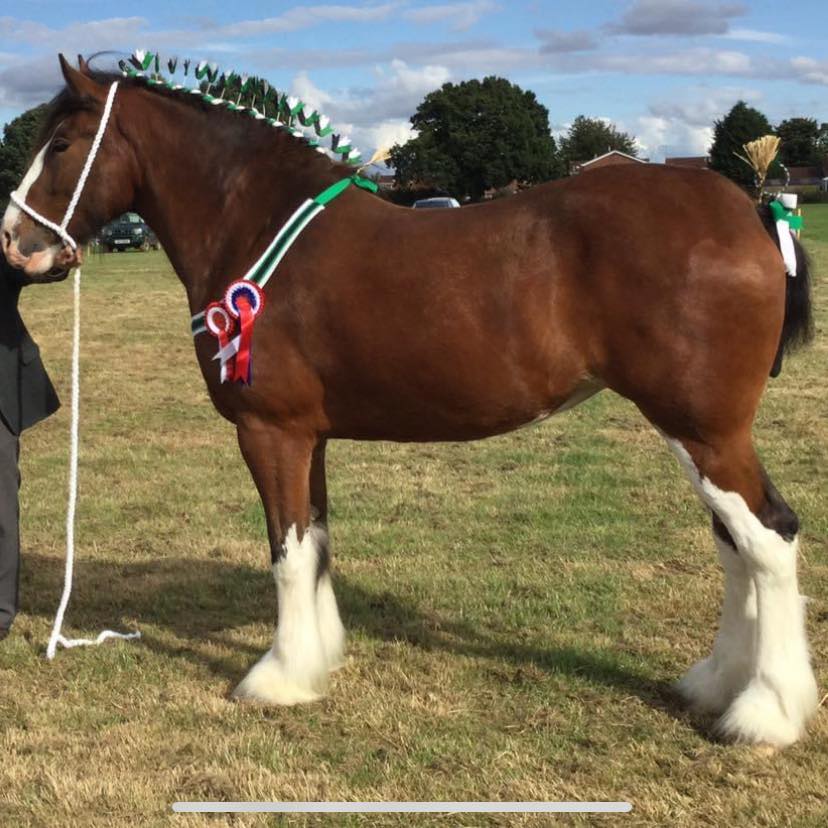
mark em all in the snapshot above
pixel 242 94
pixel 232 94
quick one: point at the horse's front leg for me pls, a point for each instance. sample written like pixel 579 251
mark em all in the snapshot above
pixel 295 669
pixel 330 625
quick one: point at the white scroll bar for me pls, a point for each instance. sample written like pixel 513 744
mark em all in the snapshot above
pixel 402 807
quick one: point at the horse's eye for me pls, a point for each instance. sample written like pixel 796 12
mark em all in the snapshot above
pixel 60 145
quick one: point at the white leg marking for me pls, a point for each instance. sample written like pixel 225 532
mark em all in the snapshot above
pixel 781 693
pixel 712 683
pixel 330 625
pixel 295 669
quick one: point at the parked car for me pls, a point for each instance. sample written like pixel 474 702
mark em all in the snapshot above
pixel 128 231
pixel 437 201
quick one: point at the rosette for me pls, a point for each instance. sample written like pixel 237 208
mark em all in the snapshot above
pixel 221 325
pixel 244 301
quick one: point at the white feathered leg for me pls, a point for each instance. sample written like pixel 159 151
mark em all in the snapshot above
pixel 295 669
pixel 712 683
pixel 331 629
pixel 781 692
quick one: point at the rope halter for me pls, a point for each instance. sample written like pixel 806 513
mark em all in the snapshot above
pixel 60 229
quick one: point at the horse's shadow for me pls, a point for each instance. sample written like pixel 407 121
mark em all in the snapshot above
pixel 204 600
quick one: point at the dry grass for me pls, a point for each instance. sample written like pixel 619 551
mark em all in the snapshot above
pixel 517 608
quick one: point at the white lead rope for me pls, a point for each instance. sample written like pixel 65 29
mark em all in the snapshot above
pixel 56 637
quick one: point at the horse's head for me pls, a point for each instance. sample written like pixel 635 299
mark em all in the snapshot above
pixel 51 180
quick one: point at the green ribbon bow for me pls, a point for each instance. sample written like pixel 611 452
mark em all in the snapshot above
pixel 336 189
pixel 779 213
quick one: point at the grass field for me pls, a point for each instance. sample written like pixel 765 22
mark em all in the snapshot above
pixel 518 608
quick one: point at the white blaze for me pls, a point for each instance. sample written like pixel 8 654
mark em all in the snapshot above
pixel 13 212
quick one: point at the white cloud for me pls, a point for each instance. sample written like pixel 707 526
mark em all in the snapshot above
pixel 385 134
pixel 683 124
pixel 305 89
pixel 701 61
pixel 553 40
pixel 94 35
pixel 700 106
pixel 27 83
pixel 756 36
pixel 659 137
pixel 810 70
pixel 677 17
pixel 461 16
pixel 305 17
pixel 377 116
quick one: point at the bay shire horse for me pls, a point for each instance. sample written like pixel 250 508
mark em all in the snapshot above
pixel 385 323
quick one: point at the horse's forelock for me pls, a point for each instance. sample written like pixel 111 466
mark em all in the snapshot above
pixel 62 106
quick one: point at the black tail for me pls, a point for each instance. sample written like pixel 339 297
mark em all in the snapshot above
pixel 798 327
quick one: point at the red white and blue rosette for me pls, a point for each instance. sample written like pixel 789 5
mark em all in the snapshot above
pixel 221 325
pixel 244 301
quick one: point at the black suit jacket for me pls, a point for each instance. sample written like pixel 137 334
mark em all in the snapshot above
pixel 26 393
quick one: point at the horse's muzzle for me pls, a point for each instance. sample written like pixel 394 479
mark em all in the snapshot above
pixel 42 265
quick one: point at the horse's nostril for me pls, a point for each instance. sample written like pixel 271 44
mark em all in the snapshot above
pixel 6 240
pixel 30 247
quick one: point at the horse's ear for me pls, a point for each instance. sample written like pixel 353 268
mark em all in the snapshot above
pixel 79 83
pixel 83 65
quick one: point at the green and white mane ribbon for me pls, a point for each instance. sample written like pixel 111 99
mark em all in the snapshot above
pixel 252 96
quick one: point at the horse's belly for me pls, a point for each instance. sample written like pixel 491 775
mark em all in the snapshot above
pixel 434 418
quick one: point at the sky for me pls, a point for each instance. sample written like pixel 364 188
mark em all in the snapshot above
pixel 662 70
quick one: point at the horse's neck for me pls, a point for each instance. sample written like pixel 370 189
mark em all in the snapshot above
pixel 214 196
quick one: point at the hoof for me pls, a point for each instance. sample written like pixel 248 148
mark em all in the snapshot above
pixel 762 715
pixel 709 689
pixel 268 682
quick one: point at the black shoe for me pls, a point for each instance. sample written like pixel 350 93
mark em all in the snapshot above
pixel 4 632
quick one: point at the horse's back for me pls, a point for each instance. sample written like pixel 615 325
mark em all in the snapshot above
pixel 473 321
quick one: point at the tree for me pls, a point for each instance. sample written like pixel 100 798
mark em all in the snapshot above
pixel 588 138
pixel 476 135
pixel 742 124
pixel 799 138
pixel 19 138
pixel 822 147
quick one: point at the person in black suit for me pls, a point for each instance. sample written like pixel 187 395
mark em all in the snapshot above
pixel 26 397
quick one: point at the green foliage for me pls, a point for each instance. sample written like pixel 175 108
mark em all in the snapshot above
pixel 822 147
pixel 590 137
pixel 477 135
pixel 799 138
pixel 16 148
pixel 742 124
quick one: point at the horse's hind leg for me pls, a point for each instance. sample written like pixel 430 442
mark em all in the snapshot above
pixel 712 684
pixel 759 674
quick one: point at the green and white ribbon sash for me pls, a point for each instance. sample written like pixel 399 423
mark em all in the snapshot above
pixel 262 270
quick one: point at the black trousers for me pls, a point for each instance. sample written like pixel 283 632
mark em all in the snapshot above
pixel 9 525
